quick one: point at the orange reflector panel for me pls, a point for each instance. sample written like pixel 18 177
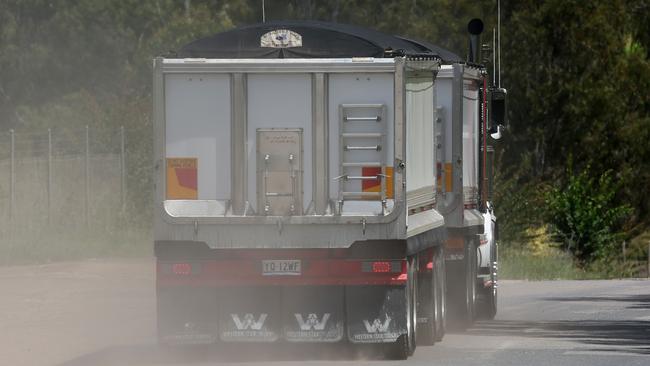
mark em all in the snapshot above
pixel 182 179
pixel 375 185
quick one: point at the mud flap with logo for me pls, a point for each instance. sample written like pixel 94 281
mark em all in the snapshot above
pixel 313 314
pixel 249 314
pixel 376 314
pixel 187 316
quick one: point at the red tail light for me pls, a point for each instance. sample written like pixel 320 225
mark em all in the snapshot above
pixel 381 267
pixel 182 269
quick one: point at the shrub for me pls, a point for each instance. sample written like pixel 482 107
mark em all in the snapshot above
pixel 585 215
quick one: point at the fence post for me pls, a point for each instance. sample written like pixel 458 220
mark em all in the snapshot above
pixel 122 169
pixel 49 176
pixel 12 181
pixel 87 180
pixel 624 253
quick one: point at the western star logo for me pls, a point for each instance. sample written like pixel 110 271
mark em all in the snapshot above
pixel 248 322
pixel 377 326
pixel 312 321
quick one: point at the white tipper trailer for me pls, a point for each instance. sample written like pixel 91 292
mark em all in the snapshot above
pixel 297 182
pixel 464 199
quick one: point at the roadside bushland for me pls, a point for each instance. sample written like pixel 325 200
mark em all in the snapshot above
pixel 574 228
pixel 575 161
pixel 586 215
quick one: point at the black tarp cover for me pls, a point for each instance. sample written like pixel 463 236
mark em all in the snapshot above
pixel 444 54
pixel 319 40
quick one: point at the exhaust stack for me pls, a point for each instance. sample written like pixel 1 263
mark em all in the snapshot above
pixel 475 28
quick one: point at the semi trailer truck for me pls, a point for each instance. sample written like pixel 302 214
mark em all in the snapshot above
pixel 307 179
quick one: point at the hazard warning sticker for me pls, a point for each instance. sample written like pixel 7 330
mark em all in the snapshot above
pixel 375 185
pixel 182 178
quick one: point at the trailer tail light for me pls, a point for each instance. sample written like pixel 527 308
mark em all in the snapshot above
pixel 382 267
pixel 181 269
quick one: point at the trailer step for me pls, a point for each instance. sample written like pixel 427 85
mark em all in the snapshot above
pixel 361 135
pixel 355 154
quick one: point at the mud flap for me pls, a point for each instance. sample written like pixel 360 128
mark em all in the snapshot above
pixel 313 314
pixel 376 314
pixel 187 316
pixel 250 314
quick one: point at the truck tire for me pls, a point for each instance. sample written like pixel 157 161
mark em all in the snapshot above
pixel 471 274
pixel 441 300
pixel 487 309
pixel 399 350
pixel 462 293
pixel 427 308
pixel 405 344
pixel 432 302
pixel 412 296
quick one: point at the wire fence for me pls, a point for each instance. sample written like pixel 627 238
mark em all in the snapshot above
pixel 64 180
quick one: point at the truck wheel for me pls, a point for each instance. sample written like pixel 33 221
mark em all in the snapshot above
pixel 412 298
pixel 405 344
pixel 400 349
pixel 471 273
pixel 441 293
pixel 427 308
pixel 491 303
pixel 488 306
pixel 462 293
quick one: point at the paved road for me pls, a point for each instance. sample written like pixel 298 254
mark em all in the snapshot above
pixel 102 313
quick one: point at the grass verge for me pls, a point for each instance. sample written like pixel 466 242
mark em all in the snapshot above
pixel 522 264
pixel 517 263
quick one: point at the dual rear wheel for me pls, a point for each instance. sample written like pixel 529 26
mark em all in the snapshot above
pixel 462 287
pixel 405 344
pixel 431 307
pixel 487 308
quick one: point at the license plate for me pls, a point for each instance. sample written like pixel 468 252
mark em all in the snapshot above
pixel 281 267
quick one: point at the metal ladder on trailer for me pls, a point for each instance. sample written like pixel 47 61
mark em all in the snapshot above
pixel 362 140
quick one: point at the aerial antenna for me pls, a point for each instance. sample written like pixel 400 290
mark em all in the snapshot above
pixel 263 13
pixel 499 35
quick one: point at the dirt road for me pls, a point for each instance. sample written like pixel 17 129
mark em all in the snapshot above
pixel 53 313
pixel 103 313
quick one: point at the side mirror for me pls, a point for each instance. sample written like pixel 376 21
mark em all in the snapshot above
pixel 495 131
pixel 498 114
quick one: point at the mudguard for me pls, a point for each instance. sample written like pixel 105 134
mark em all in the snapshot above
pixel 187 316
pixel 250 314
pixel 313 314
pixel 376 314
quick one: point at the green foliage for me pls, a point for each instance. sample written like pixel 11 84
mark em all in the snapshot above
pixel 587 216
pixel 577 73
pixel 578 76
